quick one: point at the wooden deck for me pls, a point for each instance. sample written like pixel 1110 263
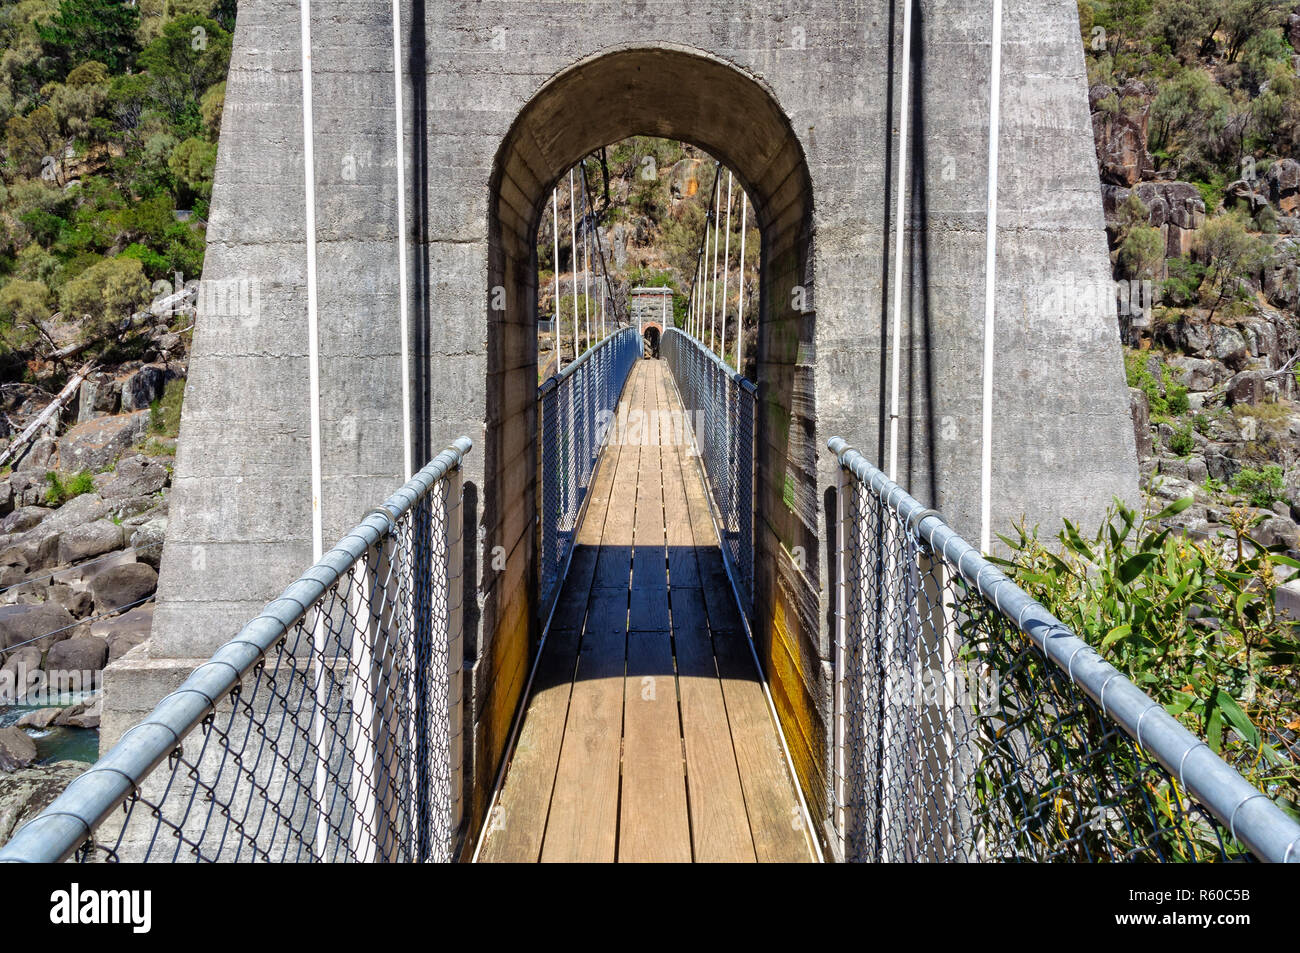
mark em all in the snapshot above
pixel 647 736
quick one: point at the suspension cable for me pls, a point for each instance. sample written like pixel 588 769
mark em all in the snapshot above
pixel 698 285
pixel 313 329
pixel 990 269
pixel 555 235
pixel 573 265
pixel 899 213
pixel 403 310
pixel 726 270
pixel 740 307
pixel 713 300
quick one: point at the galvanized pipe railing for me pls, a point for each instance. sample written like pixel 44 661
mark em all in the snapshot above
pixel 911 593
pixel 328 728
pixel 575 408
pixel 721 405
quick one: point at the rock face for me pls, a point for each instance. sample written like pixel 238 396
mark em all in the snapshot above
pixel 27 792
pixel 97 443
pixel 1177 209
pixel 1283 181
pixel 136 476
pixel 119 586
pixel 16 749
pixel 1121 142
pixel 143 387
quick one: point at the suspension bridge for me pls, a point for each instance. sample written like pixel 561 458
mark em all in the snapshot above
pixel 650 609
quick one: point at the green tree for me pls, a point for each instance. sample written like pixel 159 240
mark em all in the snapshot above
pixel 192 164
pixel 1142 253
pixel 106 293
pixel 23 306
pixel 100 30
pixel 1230 253
pixel 33 139
pixel 188 57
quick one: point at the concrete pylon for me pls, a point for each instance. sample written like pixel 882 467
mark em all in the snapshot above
pixel 501 99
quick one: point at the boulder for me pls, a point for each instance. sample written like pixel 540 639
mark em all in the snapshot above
pixel 16 749
pixel 124 632
pixel 1197 471
pixel 1196 374
pixel 136 476
pixel 96 444
pixel 38 456
pixel 84 654
pixel 27 792
pixel 143 387
pixel 1277 531
pixel 1228 345
pixel 76 601
pixel 124 585
pixel 1141 413
pixel 92 539
pixel 38 625
pixel 6 496
pixel 21 520
pixel 40 719
pixel 29 488
pixel 15 673
pixel 85 715
pixel 148 541
pixel 1246 388
pixel 1283 182
pixel 1243 194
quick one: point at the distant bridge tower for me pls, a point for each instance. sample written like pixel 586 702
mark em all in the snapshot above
pixel 652 306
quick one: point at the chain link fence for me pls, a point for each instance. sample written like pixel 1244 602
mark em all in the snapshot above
pixel 720 403
pixel 328 729
pixel 574 410
pixel 971 725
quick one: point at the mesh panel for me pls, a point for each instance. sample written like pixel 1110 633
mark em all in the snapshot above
pixel 575 409
pixel 720 405
pixel 958 740
pixel 336 732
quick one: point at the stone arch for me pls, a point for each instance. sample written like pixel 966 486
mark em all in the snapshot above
pixel 680 93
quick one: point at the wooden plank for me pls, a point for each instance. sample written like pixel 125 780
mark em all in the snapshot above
pixel 776 820
pixel 583 822
pixel 719 824
pixel 654 825
pixel 518 823
pixel 648 611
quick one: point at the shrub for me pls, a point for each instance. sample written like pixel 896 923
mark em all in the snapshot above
pixel 58 490
pixel 1193 623
pixel 108 292
pixel 1262 487
pixel 165 413
pixel 1182 443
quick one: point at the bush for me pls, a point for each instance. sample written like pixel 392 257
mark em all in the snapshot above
pixel 108 292
pixel 58 491
pixel 1182 442
pixel 1193 623
pixel 165 413
pixel 1262 487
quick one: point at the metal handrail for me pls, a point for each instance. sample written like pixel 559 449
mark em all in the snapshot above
pixel 89 799
pixel 1248 814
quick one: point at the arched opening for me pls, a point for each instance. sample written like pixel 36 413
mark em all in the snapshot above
pixel 651 335
pixel 681 94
